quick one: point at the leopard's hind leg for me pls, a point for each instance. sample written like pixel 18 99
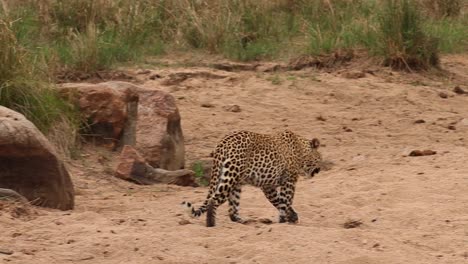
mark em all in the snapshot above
pixel 234 202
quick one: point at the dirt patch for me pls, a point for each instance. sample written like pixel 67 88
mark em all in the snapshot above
pixel 414 209
pixel 17 210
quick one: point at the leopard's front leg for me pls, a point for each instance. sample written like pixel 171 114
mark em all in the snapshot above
pixel 282 200
pixel 286 196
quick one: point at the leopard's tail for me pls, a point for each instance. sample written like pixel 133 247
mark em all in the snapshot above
pixel 210 214
pixel 190 208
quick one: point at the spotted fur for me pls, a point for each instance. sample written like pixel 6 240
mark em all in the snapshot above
pixel 271 162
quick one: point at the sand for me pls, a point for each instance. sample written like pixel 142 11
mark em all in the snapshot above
pixel 408 209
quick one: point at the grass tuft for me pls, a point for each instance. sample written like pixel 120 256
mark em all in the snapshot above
pixel 405 44
pixel 25 89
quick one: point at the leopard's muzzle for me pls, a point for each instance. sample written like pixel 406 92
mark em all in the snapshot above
pixel 314 171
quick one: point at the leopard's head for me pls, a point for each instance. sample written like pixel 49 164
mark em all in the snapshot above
pixel 312 158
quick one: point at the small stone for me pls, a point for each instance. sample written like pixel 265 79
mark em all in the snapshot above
pixel 452 127
pixel 232 108
pixel 415 153
pixel 184 222
pixel 376 245
pixel 420 121
pixel 347 129
pixel 352 224
pixel 459 90
pixel 443 95
pixel 207 105
pixel 321 118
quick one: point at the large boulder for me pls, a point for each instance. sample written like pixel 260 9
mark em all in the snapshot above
pixel 108 108
pixel 133 115
pixel 29 164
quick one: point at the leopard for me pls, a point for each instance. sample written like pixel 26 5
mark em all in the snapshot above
pixel 271 162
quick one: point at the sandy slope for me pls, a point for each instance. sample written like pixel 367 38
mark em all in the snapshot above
pixel 412 209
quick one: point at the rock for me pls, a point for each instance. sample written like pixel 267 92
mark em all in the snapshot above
pixel 417 153
pixel 159 136
pixel 443 95
pixel 459 90
pixel 133 167
pixel 132 115
pixel 29 164
pixel 419 121
pixel 352 224
pixel 452 127
pixel 207 105
pixel 354 74
pixel 232 108
pixel 321 118
pixel 109 108
pixel 347 129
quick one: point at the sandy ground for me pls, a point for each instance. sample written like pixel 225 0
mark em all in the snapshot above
pixel 412 209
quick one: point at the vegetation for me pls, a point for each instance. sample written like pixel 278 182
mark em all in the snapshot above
pixel 92 35
pixel 43 38
pixel 24 88
pixel 404 44
pixel 199 174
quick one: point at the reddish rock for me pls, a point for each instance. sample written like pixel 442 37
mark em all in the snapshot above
pixel 417 153
pixel 105 107
pixel 30 165
pixel 131 166
pixel 145 118
pixel 159 136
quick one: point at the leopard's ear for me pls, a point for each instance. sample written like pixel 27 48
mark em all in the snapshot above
pixel 314 143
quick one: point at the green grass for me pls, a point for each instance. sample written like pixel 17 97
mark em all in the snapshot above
pixel 86 35
pixel 404 44
pixel 199 173
pixel 25 89
pixel 452 33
